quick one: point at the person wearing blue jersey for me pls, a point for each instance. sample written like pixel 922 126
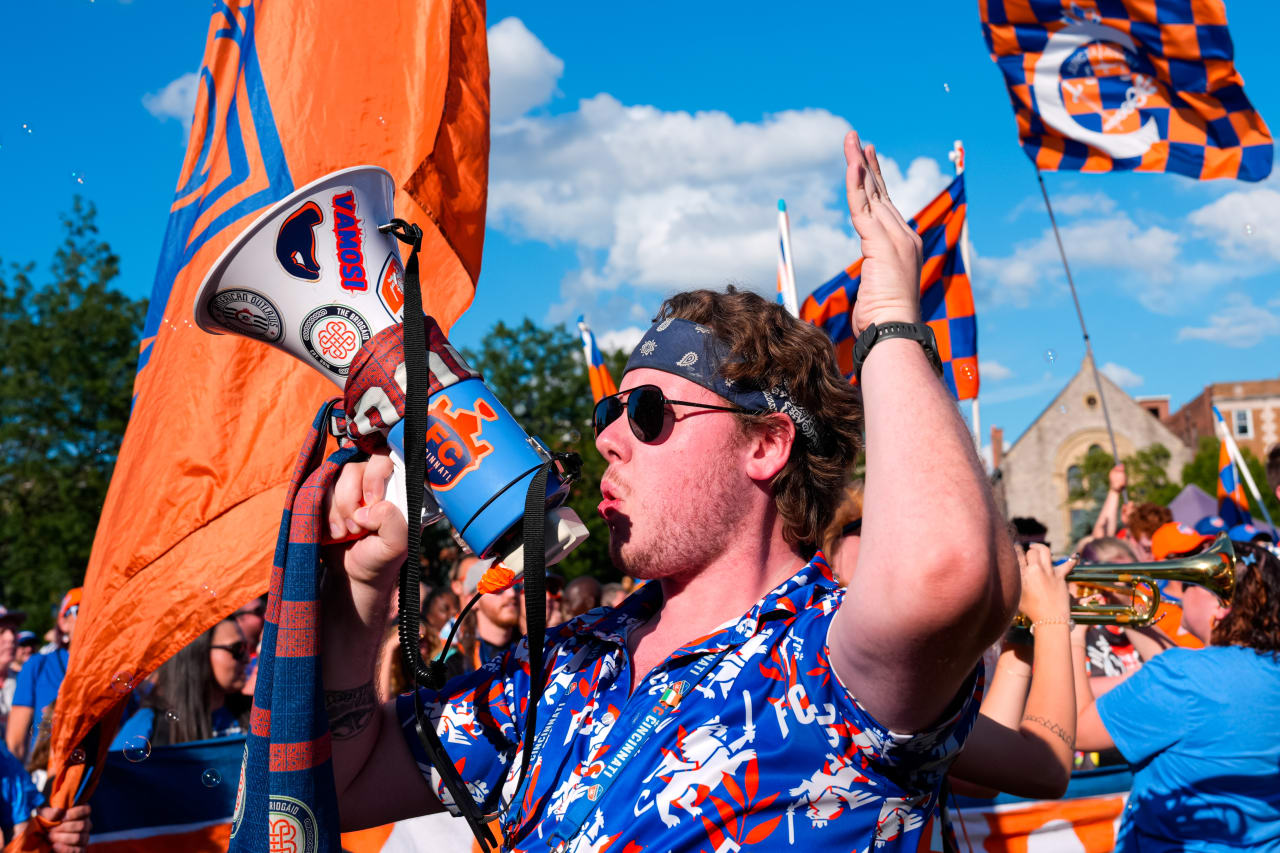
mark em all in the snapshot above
pixel 740 696
pixel 1201 727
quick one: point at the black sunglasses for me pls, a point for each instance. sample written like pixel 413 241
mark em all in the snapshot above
pixel 646 409
pixel 239 651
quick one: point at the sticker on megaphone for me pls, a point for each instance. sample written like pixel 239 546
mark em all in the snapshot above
pixel 315 277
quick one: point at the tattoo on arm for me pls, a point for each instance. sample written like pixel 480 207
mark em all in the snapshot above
pixel 350 710
pixel 1053 727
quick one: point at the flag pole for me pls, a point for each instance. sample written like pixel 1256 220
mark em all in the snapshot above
pixel 1088 347
pixel 956 156
pixel 786 268
pixel 1238 460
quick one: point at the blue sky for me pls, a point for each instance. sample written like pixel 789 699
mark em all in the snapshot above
pixel 640 150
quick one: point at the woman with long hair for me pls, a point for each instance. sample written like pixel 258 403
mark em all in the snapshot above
pixel 1201 727
pixel 197 692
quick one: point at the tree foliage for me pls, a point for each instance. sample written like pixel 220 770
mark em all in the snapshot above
pixel 68 352
pixel 539 375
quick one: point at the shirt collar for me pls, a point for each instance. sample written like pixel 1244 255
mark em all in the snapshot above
pixel 806 588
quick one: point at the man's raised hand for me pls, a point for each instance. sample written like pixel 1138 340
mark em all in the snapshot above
pixel 891 249
pixel 357 506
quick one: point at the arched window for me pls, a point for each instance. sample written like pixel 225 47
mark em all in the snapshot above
pixel 1075 481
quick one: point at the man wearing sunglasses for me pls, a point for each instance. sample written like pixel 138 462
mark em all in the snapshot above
pixel 740 697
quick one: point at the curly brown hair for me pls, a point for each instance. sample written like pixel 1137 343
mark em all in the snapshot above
pixel 1254 617
pixel 776 349
pixel 1147 518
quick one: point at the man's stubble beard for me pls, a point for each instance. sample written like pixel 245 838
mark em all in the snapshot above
pixel 692 534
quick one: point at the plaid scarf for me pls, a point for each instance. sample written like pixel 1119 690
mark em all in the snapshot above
pixel 286 799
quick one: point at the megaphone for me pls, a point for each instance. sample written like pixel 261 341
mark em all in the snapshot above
pixel 315 277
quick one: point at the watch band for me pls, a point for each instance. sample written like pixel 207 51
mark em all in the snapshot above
pixel 873 334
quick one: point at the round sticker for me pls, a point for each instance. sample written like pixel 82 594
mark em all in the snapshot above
pixel 291 826
pixel 247 313
pixel 333 334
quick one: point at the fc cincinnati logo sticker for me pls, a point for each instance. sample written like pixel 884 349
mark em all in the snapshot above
pixel 391 287
pixel 454 446
pixel 333 334
pixel 291 826
pixel 346 230
pixel 248 313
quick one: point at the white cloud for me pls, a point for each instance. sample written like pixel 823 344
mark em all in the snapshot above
pixel 621 339
pixel 664 200
pixel 522 72
pixel 175 100
pixel 1072 204
pixel 990 369
pixel 1239 324
pixel 1245 224
pixel 1121 375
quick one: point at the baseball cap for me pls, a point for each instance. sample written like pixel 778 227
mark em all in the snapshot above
pixel 1175 538
pixel 1249 533
pixel 11 617
pixel 70 600
pixel 1211 525
pixel 27 638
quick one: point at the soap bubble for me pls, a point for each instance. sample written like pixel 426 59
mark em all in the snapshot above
pixel 78 177
pixel 208 590
pixel 1050 356
pixel 137 748
pixel 1062 408
pixel 171 715
pixel 211 778
pixel 1248 230
pixel 77 756
pixel 26 127
pixel 946 87
pixel 122 682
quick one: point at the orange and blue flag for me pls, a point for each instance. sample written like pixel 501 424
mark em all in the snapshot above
pixel 188 527
pixel 946 297
pixel 1233 506
pixel 602 384
pixel 1141 85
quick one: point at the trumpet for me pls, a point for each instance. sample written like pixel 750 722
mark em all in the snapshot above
pixel 1213 569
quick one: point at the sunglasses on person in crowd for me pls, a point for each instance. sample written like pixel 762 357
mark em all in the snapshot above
pixel 238 650
pixel 646 408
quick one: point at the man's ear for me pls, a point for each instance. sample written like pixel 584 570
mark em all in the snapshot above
pixel 769 447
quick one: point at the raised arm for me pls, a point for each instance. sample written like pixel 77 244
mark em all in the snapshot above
pixel 936 581
pixel 1109 516
pixel 375 775
pixel 1029 751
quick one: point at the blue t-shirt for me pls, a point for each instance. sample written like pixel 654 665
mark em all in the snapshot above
pixel 1201 728
pixel 18 795
pixel 759 744
pixel 38 685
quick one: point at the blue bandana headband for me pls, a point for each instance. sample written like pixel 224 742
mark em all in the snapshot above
pixel 691 351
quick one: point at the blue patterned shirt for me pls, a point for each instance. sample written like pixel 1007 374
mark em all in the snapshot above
pixel 767 747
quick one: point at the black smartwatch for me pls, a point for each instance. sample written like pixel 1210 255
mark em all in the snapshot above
pixel 873 334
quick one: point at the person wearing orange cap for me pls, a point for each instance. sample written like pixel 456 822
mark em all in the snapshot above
pixel 40 680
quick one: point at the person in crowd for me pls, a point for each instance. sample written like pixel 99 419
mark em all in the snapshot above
pixel 1249 532
pixel 10 666
pixel 1109 517
pixel 1024 738
pixel 1029 531
pixel 1141 524
pixel 612 594
pixel 840 543
pixel 198 692
pixel 19 796
pixel 580 595
pixel 40 679
pixel 727 448
pixel 27 645
pixel 1199 726
pixel 497 618
pixel 439 610
pixel 251 618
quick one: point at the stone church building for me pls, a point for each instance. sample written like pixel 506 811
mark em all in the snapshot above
pixel 1033 477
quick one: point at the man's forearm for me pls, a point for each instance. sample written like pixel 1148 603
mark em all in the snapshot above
pixel 929 516
pixel 353 617
pixel 1051 705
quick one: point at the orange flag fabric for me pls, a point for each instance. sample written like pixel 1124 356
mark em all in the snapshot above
pixel 288 92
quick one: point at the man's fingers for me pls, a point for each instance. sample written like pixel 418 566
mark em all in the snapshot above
pixel 374 483
pixel 347 496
